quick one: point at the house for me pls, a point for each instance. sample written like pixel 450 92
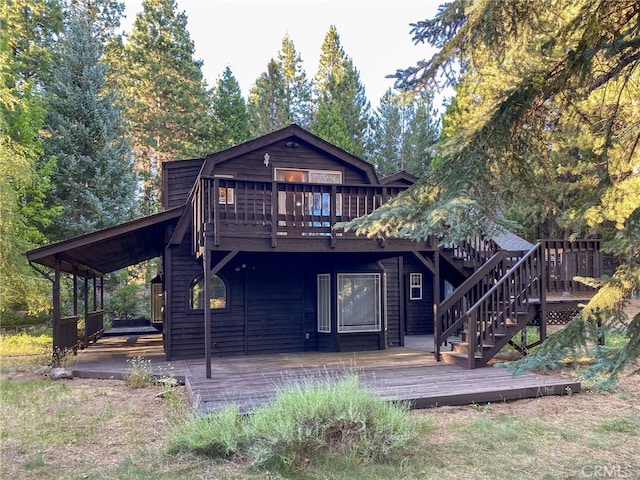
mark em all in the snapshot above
pixel 249 232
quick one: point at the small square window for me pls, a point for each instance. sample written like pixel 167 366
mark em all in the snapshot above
pixel 415 286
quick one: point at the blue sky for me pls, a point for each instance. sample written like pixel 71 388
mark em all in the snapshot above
pixel 246 34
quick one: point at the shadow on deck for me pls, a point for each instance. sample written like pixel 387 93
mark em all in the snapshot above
pixel 396 374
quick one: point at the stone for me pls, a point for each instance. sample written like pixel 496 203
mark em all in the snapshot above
pixel 60 374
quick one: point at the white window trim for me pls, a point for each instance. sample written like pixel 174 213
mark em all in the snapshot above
pixel 324 303
pixel 415 284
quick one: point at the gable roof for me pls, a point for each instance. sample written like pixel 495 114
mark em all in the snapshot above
pixel 110 249
pixel 400 178
pixel 294 133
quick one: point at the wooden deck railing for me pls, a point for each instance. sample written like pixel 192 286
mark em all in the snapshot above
pixel 451 312
pixel 65 335
pixel 567 259
pixel 93 326
pixel 503 303
pixel 223 206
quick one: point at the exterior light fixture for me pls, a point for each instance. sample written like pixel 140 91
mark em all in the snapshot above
pixel 266 159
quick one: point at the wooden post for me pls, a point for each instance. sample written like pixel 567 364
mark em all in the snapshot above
pixel 543 273
pixel 56 306
pixel 86 309
pixel 206 260
pixel 75 293
pixel 436 302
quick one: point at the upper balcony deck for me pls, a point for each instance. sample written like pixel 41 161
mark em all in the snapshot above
pixel 230 214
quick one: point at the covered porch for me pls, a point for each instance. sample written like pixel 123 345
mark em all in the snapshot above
pixel 407 373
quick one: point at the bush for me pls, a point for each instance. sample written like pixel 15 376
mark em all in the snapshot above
pixel 306 421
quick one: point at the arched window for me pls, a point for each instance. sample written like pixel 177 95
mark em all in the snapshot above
pixel 217 293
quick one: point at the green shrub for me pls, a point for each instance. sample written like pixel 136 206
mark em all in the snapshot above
pixel 218 435
pixel 306 421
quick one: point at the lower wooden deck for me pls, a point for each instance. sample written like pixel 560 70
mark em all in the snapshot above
pixel 396 374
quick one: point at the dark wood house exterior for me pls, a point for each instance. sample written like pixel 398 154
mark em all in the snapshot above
pixel 249 231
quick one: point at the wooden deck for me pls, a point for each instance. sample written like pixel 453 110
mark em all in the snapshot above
pixel 396 374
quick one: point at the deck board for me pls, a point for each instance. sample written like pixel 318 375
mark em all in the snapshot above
pixel 396 374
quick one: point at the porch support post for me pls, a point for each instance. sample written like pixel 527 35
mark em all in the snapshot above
pixel 436 302
pixel 75 292
pixel 56 305
pixel 208 272
pixel 86 309
pixel 206 265
pixel 95 292
pixel 543 272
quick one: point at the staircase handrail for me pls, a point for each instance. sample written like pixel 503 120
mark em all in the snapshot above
pixel 463 291
pixel 471 315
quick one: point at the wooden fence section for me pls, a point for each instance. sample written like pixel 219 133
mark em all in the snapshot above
pixel 67 335
pixel 93 326
pixel 566 259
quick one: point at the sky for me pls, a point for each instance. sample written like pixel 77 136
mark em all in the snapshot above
pixel 246 34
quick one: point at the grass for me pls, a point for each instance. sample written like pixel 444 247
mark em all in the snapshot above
pixel 26 342
pixel 104 429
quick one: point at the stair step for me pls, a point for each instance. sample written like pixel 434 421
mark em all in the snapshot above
pixel 461 346
pixel 456 358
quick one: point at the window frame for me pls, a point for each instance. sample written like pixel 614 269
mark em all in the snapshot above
pixel 323 289
pixel 199 280
pixel 415 285
pixel 376 326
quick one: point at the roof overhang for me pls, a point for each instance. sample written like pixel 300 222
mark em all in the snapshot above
pixel 112 248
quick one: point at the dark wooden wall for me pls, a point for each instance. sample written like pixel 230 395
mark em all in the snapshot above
pixel 271 305
pixel 177 180
pixel 419 313
pixel 251 165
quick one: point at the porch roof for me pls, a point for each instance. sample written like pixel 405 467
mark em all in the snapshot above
pixel 111 248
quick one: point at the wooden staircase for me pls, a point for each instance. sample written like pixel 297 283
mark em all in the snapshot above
pixel 496 302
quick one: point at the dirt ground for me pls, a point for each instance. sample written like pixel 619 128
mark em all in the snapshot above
pixel 149 409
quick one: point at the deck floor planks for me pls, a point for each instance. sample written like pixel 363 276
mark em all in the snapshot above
pixel 396 374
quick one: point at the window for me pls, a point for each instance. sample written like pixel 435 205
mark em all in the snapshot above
pixel 324 303
pixel 225 196
pixel 217 293
pixel 415 286
pixel 299 204
pixel 359 305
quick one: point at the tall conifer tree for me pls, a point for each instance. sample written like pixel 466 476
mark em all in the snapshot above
pixel 342 108
pixel 267 103
pixel 298 87
pixel 229 111
pixel 166 98
pixel 93 178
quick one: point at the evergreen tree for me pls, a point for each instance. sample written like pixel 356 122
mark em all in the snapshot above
pixel 267 105
pixel 298 87
pixel 282 94
pixel 388 133
pixel 544 127
pixel 166 98
pixel 342 108
pixel 93 178
pixel 420 137
pixel 230 112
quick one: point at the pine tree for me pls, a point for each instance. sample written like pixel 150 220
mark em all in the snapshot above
pixel 544 128
pixel 267 105
pixel 93 178
pixel 229 111
pixel 298 87
pixel 342 108
pixel 166 98
pixel 421 136
pixel 388 128
pixel 282 94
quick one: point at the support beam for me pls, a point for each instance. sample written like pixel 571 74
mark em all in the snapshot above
pixel 208 272
pixel 426 262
